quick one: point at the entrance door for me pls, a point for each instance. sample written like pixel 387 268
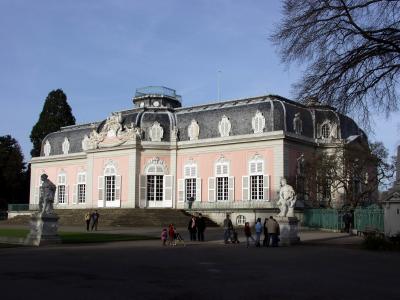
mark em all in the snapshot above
pixel 155 190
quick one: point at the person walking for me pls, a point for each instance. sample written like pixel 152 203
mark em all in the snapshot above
pixel 87 220
pixel 259 229
pixel 201 227
pixel 192 228
pixel 266 237
pixel 95 220
pixel 273 229
pixel 247 234
pixel 228 227
pixel 171 235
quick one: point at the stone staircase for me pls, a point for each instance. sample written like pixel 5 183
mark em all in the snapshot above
pixel 120 217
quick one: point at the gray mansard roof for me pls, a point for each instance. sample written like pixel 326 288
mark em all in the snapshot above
pixel 277 111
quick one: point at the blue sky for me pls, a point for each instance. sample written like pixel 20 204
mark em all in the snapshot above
pixel 100 51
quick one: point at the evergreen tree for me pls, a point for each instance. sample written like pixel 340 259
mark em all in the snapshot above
pixel 12 172
pixel 56 113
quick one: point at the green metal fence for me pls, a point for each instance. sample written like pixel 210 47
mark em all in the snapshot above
pixel 369 217
pixel 18 207
pixel 323 218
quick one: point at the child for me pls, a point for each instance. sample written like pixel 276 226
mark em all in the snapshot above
pixel 247 233
pixel 171 234
pixel 234 238
pixel 164 236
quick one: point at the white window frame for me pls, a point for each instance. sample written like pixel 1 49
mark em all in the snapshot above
pixel 79 195
pixel 240 220
pixel 221 171
pixel 62 189
pixel 256 173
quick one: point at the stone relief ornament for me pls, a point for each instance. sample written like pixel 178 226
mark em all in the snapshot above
pixel 156 165
pixel 65 146
pixel 47 148
pixel 287 200
pixel 224 126
pixel 156 132
pixel 258 122
pixel 297 124
pixel 193 130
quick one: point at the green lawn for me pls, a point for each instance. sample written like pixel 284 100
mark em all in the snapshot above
pixel 80 237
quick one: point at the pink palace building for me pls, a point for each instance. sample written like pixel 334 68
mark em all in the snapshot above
pixel 223 156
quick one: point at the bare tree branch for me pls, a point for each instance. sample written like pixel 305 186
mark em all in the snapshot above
pixel 351 49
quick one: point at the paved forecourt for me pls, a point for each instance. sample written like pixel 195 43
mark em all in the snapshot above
pixel 325 267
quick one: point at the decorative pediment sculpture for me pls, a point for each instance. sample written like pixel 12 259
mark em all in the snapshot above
pixel 113 125
pixel 193 130
pixel 112 134
pixel 65 146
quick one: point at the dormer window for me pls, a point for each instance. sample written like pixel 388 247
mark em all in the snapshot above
pixel 156 132
pixel 326 131
pixel 258 122
pixel 224 126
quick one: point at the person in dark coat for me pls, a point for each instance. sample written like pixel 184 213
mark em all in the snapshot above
pixel 95 220
pixel 266 237
pixel 201 227
pixel 192 227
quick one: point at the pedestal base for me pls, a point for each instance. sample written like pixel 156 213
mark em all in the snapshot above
pixel 288 227
pixel 43 230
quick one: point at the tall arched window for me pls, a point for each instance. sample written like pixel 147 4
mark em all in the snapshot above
pixel 110 187
pixel 156 187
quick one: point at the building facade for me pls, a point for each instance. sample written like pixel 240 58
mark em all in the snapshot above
pixel 229 154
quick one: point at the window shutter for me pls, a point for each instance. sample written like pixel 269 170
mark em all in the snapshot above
pixel 198 189
pixel 56 196
pixel 75 194
pixel 118 188
pixel 181 190
pixel 245 188
pixel 66 200
pixel 187 171
pixel 253 168
pixel 211 189
pixel 168 183
pixel 231 188
pixel 266 189
pixel 143 190
pixel 259 167
pixel 100 187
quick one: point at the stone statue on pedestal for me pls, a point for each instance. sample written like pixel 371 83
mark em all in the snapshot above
pixel 287 199
pixel 44 224
pixel 46 197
